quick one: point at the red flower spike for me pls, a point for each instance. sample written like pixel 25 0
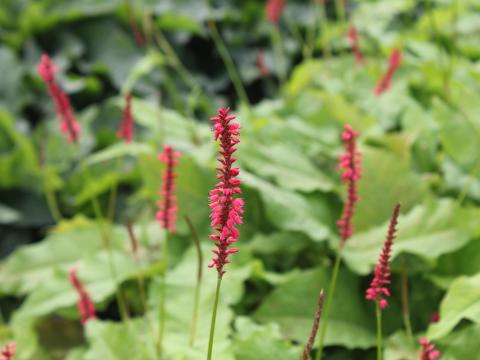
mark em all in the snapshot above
pixel 126 128
pixel 8 352
pixel 353 38
pixel 167 213
pixel 274 9
pixel 350 163
pixel 378 290
pixel 435 318
pixel 85 305
pixel 226 209
pixel 386 81
pixel 261 65
pixel 429 352
pixel 68 124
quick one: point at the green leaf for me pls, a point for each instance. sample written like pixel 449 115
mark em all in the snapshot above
pixel 286 209
pixel 265 342
pixel 462 301
pixel 427 231
pixel 292 305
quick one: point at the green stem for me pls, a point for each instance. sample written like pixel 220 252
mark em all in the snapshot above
pixel 163 295
pixel 324 29
pixel 214 318
pixel 328 304
pixel 196 299
pixel 312 31
pixel 405 306
pixel 227 59
pixel 276 38
pixel 113 193
pixel 378 313
pixel 107 245
pixel 52 203
pixel 340 10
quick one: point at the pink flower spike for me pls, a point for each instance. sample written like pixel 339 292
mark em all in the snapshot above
pixel 126 128
pixel 8 352
pixel 429 352
pixel 68 124
pixel 350 163
pixel 386 81
pixel 167 212
pixel 227 210
pixel 85 305
pixel 274 9
pixel 378 290
pixel 353 38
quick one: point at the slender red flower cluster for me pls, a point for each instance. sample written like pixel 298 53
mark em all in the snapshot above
pixel 261 65
pixel 435 317
pixel 386 81
pixel 226 209
pixel 274 9
pixel 126 128
pixel 85 305
pixel 68 124
pixel 429 352
pixel 8 352
pixel 378 290
pixel 353 38
pixel 167 213
pixel 350 163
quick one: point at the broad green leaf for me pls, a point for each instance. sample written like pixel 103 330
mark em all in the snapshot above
pixel 265 342
pixel 286 209
pixel 462 301
pixel 427 231
pixel 292 305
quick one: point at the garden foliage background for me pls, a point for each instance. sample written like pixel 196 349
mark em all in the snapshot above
pixel 420 146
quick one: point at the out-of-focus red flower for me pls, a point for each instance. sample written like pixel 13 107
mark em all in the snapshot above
pixel 167 213
pixel 353 38
pixel 68 124
pixel 261 65
pixel 226 208
pixel 8 352
pixel 349 162
pixel 429 352
pixel 274 9
pixel 126 128
pixel 378 290
pixel 386 81
pixel 85 305
pixel 435 317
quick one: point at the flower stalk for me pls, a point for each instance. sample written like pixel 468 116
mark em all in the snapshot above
pixel 313 332
pixel 349 162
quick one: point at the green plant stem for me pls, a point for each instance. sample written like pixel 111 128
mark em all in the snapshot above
pixel 328 304
pixel 324 29
pixel 378 313
pixel 163 295
pixel 107 245
pixel 196 298
pixel 52 203
pixel 214 318
pixel 312 31
pixel 405 305
pixel 276 38
pixel 227 59
pixel 112 201
pixel 340 10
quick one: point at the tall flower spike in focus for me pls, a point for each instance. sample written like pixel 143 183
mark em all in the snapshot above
pixel 274 9
pixel 226 208
pixel 350 163
pixel 85 305
pixel 386 81
pixel 429 352
pixel 126 128
pixel 8 352
pixel 167 212
pixel 68 124
pixel 353 38
pixel 378 290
